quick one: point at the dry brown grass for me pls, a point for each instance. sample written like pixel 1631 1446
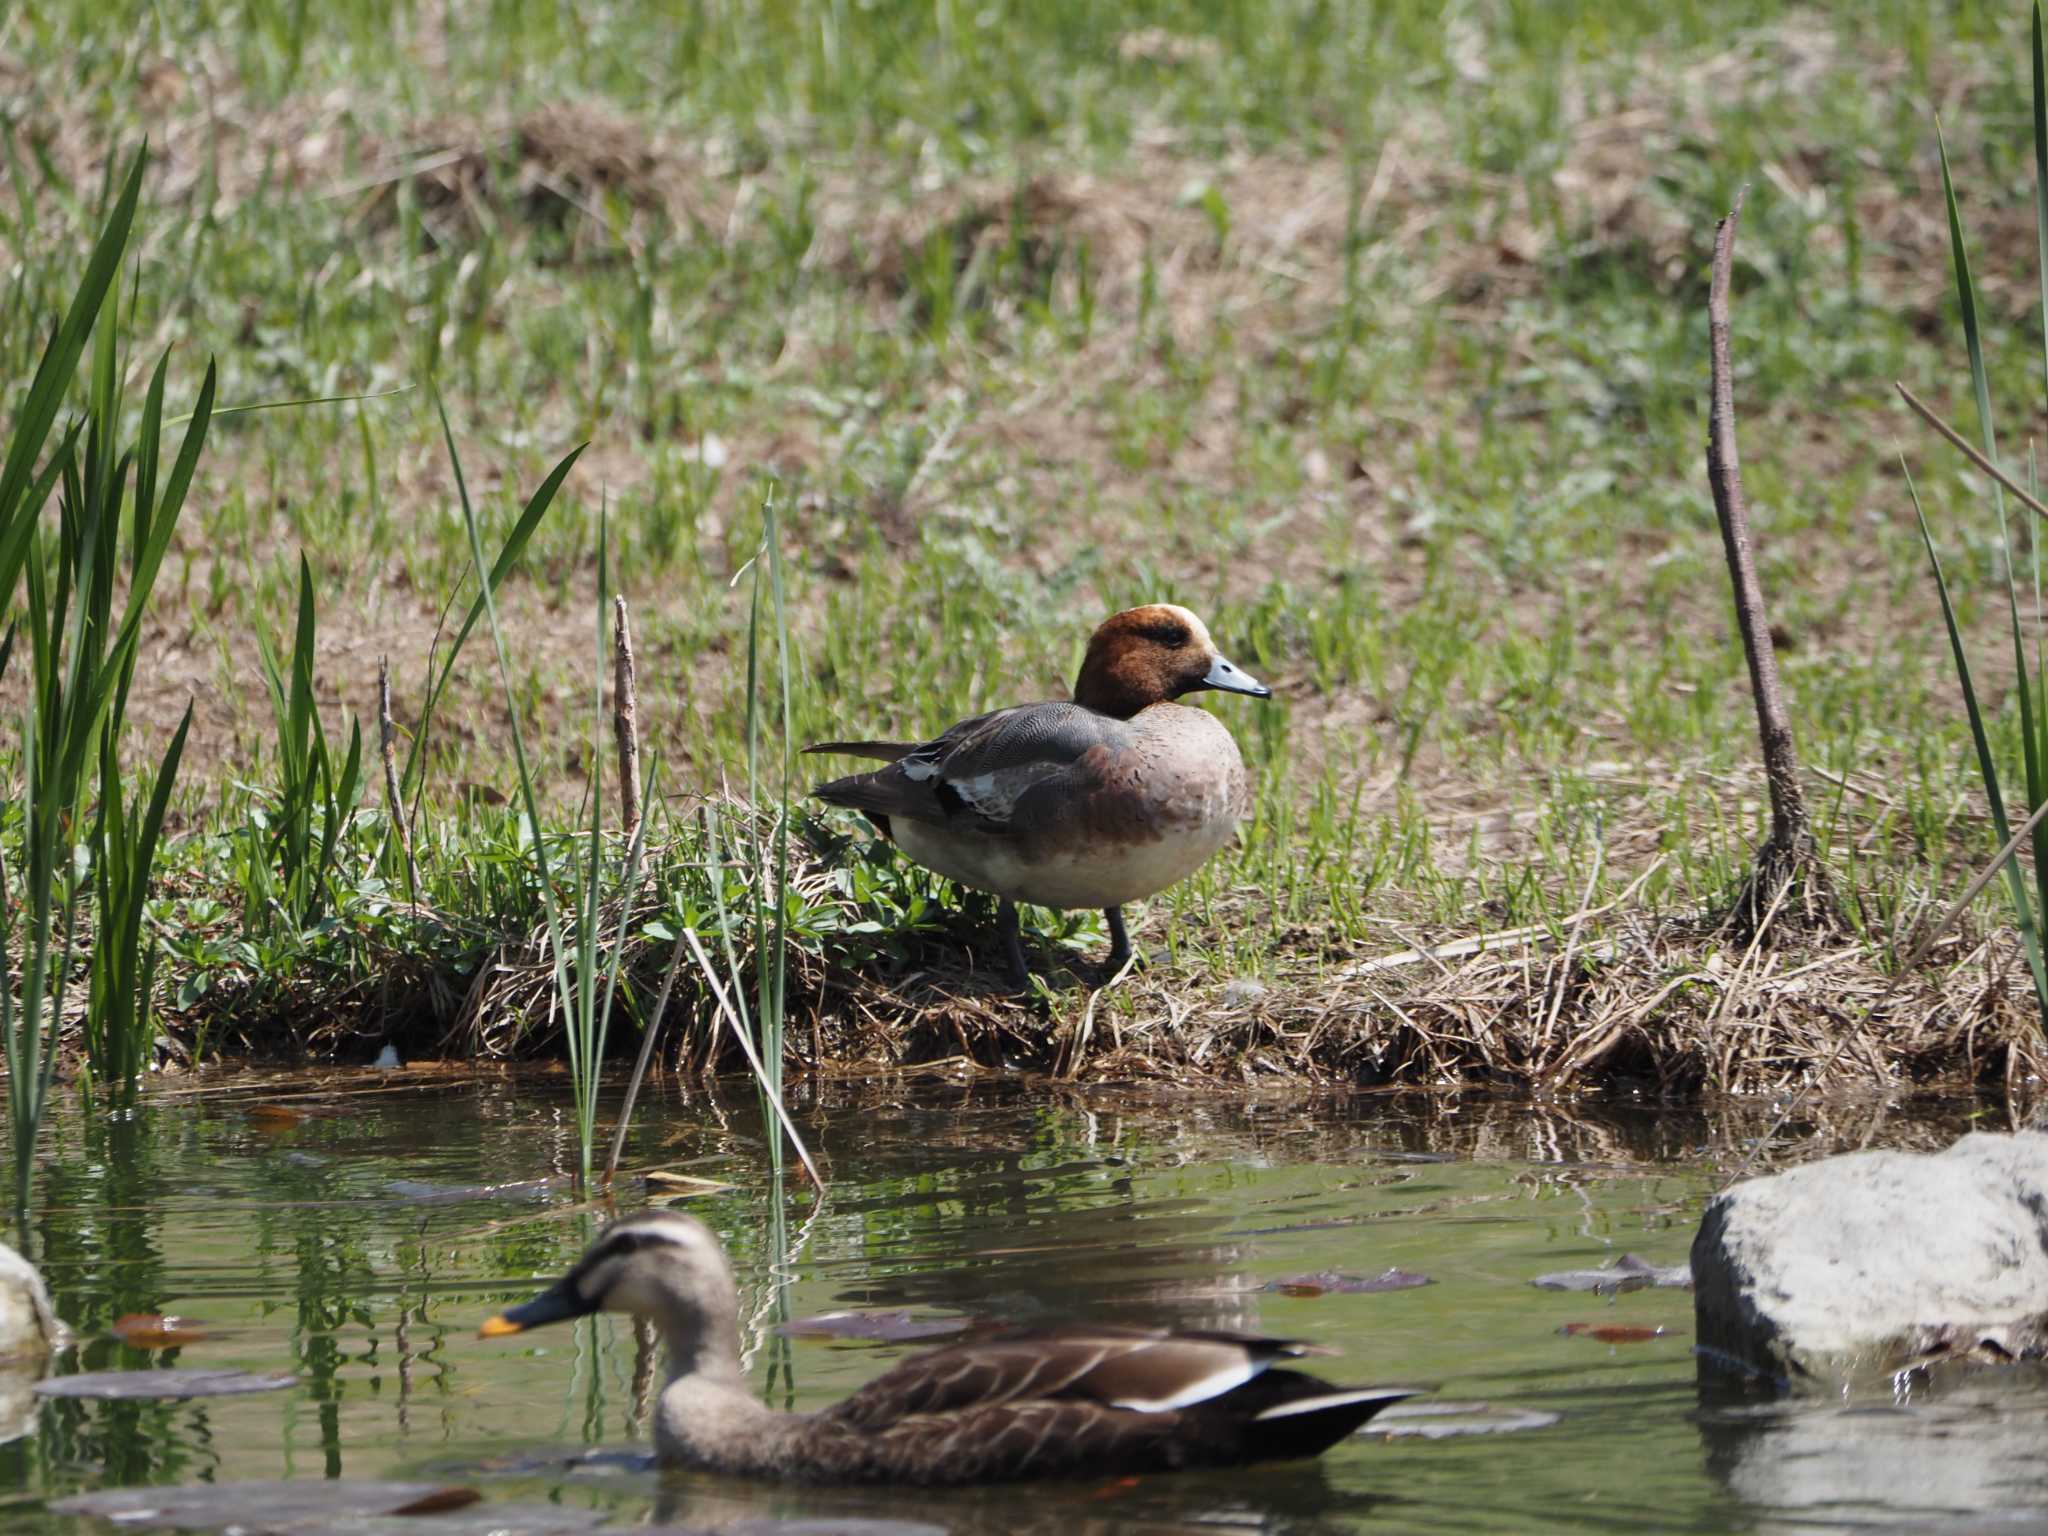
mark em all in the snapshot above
pixel 1620 996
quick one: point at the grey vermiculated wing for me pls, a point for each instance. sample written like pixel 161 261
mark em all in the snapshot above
pixel 984 772
pixel 978 769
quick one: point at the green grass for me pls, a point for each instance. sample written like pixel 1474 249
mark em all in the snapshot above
pixel 1374 335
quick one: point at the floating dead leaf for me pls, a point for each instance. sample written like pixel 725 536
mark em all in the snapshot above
pixel 1326 1282
pixel 153 1330
pixel 664 1181
pixel 135 1386
pixel 1627 1273
pixel 883 1327
pixel 439 1502
pixel 336 1508
pixel 274 1116
pixel 824 1525
pixel 1616 1333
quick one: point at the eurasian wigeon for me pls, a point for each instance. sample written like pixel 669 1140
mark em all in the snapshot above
pixel 1093 803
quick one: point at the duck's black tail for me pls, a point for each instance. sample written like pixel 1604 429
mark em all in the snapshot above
pixel 1309 1416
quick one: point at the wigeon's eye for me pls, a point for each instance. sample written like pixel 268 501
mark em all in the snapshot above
pixel 1168 633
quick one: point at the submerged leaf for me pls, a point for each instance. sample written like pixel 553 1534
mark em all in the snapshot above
pixel 132 1386
pixel 1441 1421
pixel 1326 1281
pixel 448 1194
pixel 1627 1273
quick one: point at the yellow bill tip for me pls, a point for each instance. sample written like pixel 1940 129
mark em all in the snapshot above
pixel 497 1327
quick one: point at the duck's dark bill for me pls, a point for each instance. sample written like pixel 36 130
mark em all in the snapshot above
pixel 550 1306
pixel 1230 678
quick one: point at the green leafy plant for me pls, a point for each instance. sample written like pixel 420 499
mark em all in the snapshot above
pixel 315 798
pixel 82 641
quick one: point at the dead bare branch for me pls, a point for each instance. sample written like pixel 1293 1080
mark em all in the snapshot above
pixel 1788 877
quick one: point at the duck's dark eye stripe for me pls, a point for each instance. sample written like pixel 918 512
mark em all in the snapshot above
pixel 617 1246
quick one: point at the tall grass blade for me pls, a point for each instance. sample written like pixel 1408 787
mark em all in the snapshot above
pixel 1987 766
pixel 2034 766
pixel 2035 723
pixel 574 969
pixel 509 554
pixel 38 412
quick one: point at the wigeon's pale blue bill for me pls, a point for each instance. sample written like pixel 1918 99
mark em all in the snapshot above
pixel 1230 678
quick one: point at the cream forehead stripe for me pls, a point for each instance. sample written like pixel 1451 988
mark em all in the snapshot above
pixel 1195 626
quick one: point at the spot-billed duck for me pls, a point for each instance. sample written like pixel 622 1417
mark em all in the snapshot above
pixel 1082 1402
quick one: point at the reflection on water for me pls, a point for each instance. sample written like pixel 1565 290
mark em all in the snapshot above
pixel 357 1242
pixel 1970 1442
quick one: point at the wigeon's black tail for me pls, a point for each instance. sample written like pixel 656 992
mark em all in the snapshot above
pixel 886 751
pixel 872 794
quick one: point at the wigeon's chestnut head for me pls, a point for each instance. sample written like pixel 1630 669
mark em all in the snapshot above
pixel 1094 803
pixel 1145 656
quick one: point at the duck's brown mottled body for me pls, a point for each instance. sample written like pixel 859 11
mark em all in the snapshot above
pixel 1084 1402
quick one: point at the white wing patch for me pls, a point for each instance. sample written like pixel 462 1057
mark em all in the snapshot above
pixel 1338 1400
pixel 1200 1390
pixel 993 796
pixel 979 792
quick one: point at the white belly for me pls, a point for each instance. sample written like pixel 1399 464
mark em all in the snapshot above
pixel 1094 876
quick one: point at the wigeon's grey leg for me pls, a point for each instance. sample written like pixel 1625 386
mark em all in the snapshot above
pixel 1013 946
pixel 1119 941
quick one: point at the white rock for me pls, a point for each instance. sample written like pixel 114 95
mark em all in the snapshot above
pixel 1874 1261
pixel 29 1326
pixel 30 1332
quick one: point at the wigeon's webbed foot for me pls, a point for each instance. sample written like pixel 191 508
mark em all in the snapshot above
pixel 1009 927
pixel 1119 941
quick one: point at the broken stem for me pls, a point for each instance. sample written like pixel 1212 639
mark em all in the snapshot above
pixel 387 733
pixel 626 718
pixel 1973 455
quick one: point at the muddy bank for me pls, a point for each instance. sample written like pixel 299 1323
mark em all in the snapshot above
pixel 1629 1000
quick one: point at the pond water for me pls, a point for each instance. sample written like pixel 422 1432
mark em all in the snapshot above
pixel 357 1239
